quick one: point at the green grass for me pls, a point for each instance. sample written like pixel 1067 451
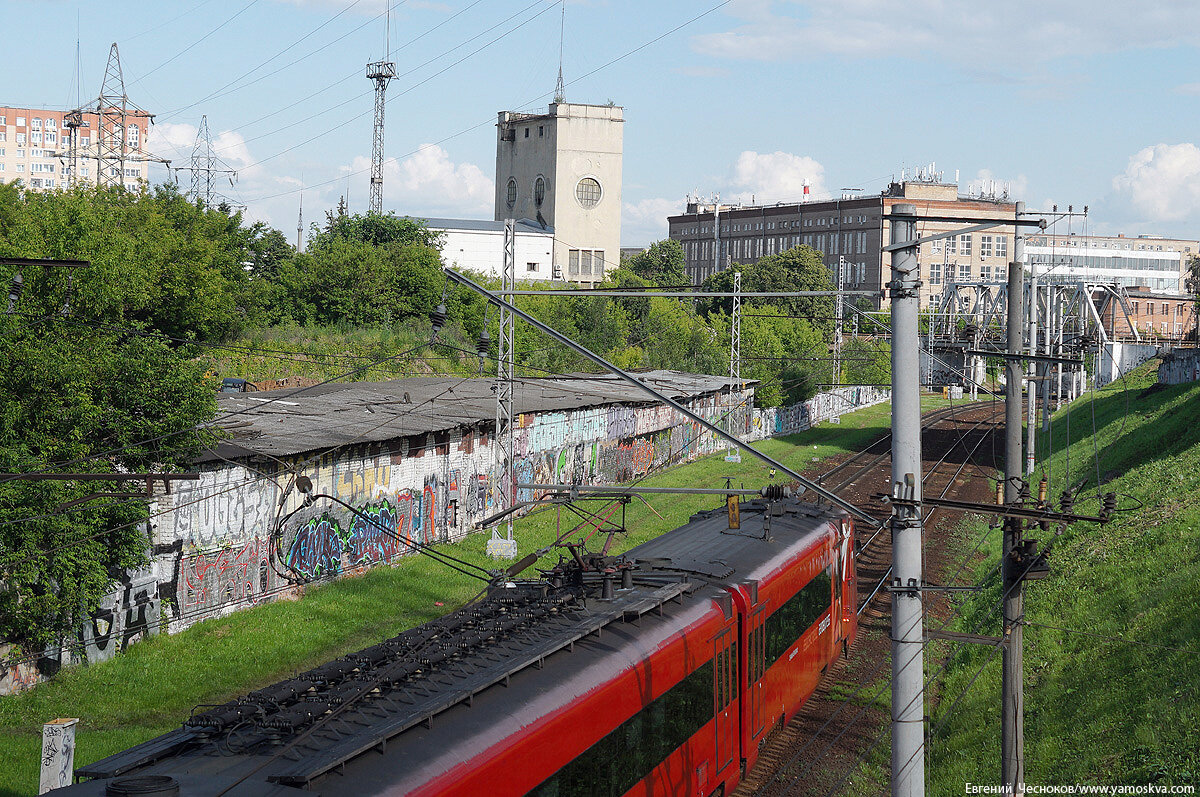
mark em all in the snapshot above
pixel 327 352
pixel 152 687
pixel 1111 710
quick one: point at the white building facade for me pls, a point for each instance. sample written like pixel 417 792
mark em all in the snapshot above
pixel 479 246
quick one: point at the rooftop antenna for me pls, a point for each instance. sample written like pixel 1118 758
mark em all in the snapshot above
pixel 560 90
pixel 382 72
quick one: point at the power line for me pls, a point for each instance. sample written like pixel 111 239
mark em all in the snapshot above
pixel 490 121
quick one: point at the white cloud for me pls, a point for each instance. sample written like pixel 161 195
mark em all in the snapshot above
pixel 1188 88
pixel 644 222
pixel 429 183
pixel 761 177
pixel 987 183
pixel 1013 36
pixel 764 177
pixel 1162 182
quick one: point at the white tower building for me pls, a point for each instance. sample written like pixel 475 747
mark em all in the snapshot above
pixel 562 169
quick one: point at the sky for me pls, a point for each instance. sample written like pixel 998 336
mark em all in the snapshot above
pixel 1068 102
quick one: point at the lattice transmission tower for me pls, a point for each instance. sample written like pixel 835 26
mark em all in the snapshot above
pixel 114 145
pixel 204 165
pixel 382 72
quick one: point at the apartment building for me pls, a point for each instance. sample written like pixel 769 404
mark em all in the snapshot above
pixel 35 148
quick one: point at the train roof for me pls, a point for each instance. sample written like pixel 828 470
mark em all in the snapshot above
pixel 476 672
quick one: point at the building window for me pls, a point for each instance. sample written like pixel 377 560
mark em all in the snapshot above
pixel 531 266
pixel 20 121
pixel 964 272
pixel 541 130
pixel 964 244
pixel 985 246
pixel 952 245
pixel 35 124
pixel 1001 246
pixel 935 273
pixel 985 272
pixel 527 132
pixel 539 191
pixel 512 193
pixel 588 192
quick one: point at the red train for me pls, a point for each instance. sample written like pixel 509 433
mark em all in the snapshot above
pixel 657 673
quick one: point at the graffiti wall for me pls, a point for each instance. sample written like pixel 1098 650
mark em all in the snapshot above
pixel 214 550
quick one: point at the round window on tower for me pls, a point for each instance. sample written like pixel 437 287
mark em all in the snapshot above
pixel 539 191
pixel 512 193
pixel 588 192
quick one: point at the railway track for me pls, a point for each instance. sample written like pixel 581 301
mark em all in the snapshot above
pixel 812 752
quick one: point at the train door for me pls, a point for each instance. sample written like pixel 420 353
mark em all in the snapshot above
pixel 756 666
pixel 848 579
pixel 725 673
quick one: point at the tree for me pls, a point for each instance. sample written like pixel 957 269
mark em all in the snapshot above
pixel 797 269
pixel 661 263
pixel 103 402
pixel 373 228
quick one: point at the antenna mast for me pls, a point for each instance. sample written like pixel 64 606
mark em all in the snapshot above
pixel 560 90
pixel 382 72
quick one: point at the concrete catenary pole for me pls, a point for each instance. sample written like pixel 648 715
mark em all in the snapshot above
pixel 1012 733
pixel 908 679
pixel 1031 392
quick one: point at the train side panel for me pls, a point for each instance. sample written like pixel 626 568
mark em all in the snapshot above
pixel 647 728
pixel 794 623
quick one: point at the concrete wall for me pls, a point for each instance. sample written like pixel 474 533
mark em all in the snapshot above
pixel 1117 359
pixel 212 538
pixel 1180 366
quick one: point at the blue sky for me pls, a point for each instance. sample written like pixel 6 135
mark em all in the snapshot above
pixel 1084 102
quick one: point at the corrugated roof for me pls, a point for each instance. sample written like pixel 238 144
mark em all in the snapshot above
pixel 298 420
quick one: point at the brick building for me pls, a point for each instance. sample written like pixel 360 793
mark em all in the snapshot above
pixel 1157 316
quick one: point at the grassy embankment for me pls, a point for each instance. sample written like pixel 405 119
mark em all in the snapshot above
pixel 150 688
pixel 1121 707
pixel 327 352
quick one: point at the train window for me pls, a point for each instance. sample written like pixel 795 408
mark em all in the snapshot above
pixel 631 751
pixel 787 623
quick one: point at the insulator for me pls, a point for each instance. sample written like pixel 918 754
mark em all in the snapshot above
pixel 1067 502
pixel 999 493
pixel 14 292
pixel 1023 491
pixel 1110 505
pixel 484 344
pixel 1042 491
pixel 438 318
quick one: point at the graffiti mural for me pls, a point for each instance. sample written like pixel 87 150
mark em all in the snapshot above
pixel 316 549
